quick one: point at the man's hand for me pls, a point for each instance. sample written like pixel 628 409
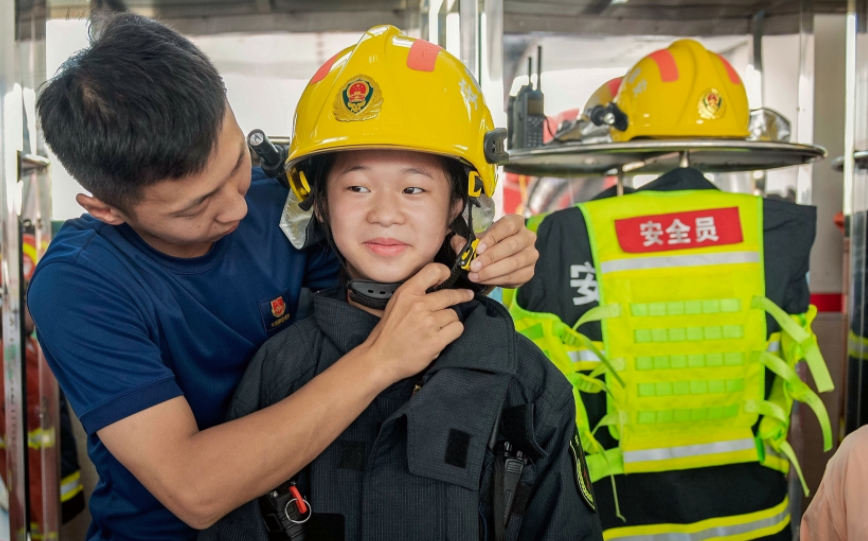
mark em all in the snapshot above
pixel 505 255
pixel 416 326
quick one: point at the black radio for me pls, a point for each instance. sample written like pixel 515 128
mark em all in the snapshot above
pixel 526 115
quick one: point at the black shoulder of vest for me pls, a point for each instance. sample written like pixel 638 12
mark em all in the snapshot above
pixel 283 364
pixel 488 340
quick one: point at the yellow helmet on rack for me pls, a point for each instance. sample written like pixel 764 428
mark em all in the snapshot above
pixel 395 92
pixel 684 91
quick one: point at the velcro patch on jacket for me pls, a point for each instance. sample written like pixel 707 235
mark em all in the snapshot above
pixel 583 476
pixel 679 230
pixel 457 447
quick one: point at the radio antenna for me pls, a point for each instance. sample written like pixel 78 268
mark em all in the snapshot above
pixel 539 67
pixel 530 71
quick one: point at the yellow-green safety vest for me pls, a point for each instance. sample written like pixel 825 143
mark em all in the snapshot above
pixel 685 348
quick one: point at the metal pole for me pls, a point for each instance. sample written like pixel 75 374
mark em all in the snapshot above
pixel 469 19
pixel 491 73
pixel 805 116
pixel 757 27
pixel 11 143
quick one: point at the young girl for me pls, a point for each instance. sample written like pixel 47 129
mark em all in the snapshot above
pixel 393 149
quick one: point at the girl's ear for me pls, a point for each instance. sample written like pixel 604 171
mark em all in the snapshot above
pixel 457 208
pixel 319 212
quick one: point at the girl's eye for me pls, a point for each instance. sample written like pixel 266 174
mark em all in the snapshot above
pixel 359 189
pixel 413 191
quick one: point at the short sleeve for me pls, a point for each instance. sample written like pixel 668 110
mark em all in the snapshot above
pixel 97 341
pixel 322 268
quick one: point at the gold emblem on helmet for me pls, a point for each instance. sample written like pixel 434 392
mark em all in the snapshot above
pixel 360 99
pixel 711 105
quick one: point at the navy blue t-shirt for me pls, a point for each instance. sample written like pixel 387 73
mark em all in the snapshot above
pixel 125 327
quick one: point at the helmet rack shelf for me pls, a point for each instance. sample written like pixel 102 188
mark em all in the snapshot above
pixel 860 157
pixel 659 156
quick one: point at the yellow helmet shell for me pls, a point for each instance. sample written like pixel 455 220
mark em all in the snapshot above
pixel 684 91
pixel 394 92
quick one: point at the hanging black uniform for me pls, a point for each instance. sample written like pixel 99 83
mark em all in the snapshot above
pixel 677 496
pixel 418 463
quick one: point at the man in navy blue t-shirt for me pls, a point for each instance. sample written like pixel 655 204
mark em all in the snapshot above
pixel 150 307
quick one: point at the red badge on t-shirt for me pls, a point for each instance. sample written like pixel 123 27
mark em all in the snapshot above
pixel 679 230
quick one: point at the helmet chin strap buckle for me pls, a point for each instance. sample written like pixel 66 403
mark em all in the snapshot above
pixel 468 254
pixel 371 294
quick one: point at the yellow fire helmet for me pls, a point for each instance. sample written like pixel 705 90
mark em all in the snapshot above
pixel 684 91
pixel 394 92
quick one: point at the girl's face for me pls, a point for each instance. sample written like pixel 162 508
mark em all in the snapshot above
pixel 389 211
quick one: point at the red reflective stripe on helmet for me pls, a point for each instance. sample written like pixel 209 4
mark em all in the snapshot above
pixel 614 84
pixel 733 75
pixel 423 55
pixel 666 63
pixel 324 69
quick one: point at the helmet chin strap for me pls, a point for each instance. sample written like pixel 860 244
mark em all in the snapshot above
pixel 376 295
pixel 370 294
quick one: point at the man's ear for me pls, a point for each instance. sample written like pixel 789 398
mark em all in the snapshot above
pixel 101 211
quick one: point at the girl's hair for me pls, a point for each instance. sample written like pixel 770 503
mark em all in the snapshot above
pixel 317 169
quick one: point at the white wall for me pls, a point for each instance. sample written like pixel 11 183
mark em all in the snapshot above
pixel 828 184
pixel 62 39
pixel 780 92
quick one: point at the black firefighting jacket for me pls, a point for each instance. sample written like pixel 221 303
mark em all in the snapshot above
pixel 417 464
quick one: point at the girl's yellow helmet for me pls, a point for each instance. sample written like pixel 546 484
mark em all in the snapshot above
pixel 393 91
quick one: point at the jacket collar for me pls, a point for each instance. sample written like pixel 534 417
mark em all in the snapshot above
pixel 487 328
pixel 682 178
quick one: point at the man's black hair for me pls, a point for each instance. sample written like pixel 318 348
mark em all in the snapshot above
pixel 140 105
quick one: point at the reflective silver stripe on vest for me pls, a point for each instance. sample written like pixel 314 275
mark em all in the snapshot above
pixel 715 532
pixel 583 355
pixel 668 261
pixel 774 346
pixel 683 451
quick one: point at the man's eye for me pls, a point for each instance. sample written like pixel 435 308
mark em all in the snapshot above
pixel 413 191
pixel 359 189
pixel 190 215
